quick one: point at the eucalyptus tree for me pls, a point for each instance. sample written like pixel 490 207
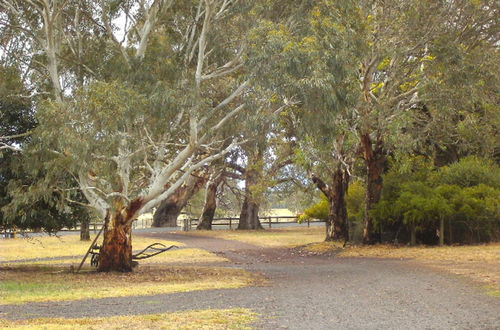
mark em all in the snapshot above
pixel 315 48
pixel 390 46
pixel 16 110
pixel 460 97
pixel 132 144
pixel 263 159
pixel 40 208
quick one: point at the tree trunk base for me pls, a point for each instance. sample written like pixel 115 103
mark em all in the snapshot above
pixel 249 217
pixel 116 251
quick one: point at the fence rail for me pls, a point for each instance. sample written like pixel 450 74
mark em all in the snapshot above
pixel 233 222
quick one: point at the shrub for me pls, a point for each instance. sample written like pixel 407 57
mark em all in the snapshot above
pixel 470 171
pixel 464 195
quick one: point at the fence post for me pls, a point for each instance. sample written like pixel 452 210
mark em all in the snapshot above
pixel 308 222
pixel 230 223
pixel 269 222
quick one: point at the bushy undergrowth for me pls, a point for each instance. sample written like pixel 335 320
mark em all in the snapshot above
pixel 417 197
pixel 465 196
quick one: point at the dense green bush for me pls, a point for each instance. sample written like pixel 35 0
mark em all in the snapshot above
pixel 464 196
pixel 316 211
pixel 470 171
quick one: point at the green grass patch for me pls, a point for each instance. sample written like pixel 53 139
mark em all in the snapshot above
pixel 493 292
pixel 24 284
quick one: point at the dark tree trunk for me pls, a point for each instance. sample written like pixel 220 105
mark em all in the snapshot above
pixel 336 226
pixel 116 251
pixel 85 230
pixel 169 210
pixel 413 235
pixel 441 231
pixel 249 216
pixel 207 215
pixel 375 160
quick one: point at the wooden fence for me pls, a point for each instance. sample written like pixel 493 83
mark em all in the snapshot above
pixel 230 222
pixel 191 223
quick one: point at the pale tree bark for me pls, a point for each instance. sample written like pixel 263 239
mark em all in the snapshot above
pixel 52 46
pixel 166 178
pixel 149 21
pixel 151 16
pixel 48 36
pixel 164 168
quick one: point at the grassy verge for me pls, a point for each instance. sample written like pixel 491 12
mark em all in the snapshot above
pixel 58 246
pixel 181 256
pixel 282 237
pixel 48 283
pixel 480 263
pixel 236 318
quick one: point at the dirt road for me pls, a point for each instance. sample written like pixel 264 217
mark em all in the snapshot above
pixel 310 292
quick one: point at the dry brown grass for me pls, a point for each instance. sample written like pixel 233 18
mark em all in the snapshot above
pixel 236 318
pixel 73 249
pixel 480 263
pixel 58 246
pixel 174 256
pixel 282 237
pixel 43 283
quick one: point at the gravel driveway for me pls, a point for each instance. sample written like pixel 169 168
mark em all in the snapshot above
pixel 309 292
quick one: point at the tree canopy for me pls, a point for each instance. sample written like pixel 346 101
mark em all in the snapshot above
pixel 127 102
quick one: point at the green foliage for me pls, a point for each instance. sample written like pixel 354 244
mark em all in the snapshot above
pixel 465 195
pixel 355 201
pixel 470 171
pixel 26 202
pixel 16 112
pixel 319 210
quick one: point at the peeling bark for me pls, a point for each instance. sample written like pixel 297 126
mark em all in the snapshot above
pixel 116 251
